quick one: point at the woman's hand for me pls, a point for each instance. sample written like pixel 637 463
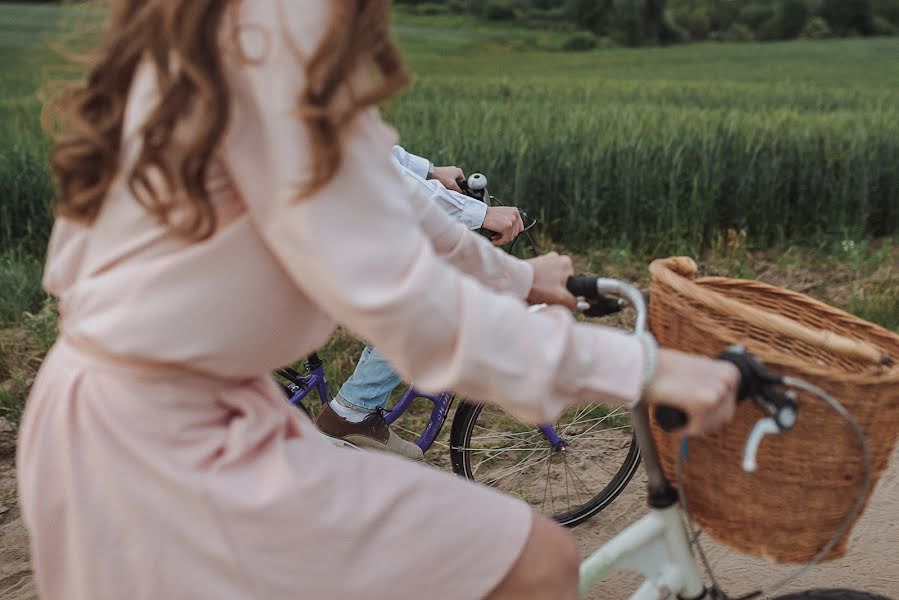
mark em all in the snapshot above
pixel 551 273
pixel 704 388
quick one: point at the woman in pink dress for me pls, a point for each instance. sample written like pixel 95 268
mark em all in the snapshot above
pixel 226 197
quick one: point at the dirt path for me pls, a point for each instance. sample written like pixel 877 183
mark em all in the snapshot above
pixel 15 572
pixel 873 563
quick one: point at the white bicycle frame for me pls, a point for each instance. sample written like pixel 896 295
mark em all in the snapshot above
pixel 656 546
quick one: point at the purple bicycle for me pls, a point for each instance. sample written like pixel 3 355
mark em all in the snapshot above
pixel 569 470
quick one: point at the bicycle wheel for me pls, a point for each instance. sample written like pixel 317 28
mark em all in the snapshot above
pixel 569 483
pixel 831 595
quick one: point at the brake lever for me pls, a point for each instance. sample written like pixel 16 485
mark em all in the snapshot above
pixel 781 409
pixel 755 379
pixel 766 426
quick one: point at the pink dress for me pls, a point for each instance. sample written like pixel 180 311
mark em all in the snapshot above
pixel 158 461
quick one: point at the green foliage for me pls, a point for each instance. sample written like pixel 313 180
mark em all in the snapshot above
pixel 671 32
pixel 665 148
pixel 884 27
pixel 723 14
pixel 791 18
pixel 591 15
pixel 887 9
pixel 816 29
pixel 651 22
pixel 754 15
pixel 653 148
pixel 431 9
pixel 551 16
pixel 639 22
pixel 847 17
pixel 500 10
pixel 697 22
pixel 580 41
pixel 654 22
pixel 628 24
pixel 878 304
pixel 738 32
pixel 20 285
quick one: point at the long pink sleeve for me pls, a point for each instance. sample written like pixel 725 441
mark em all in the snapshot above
pixel 369 253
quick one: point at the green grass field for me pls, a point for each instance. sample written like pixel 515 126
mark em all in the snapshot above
pixel 656 149
pixel 662 149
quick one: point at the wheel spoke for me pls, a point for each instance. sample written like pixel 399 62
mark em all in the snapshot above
pixel 502 452
pixel 500 436
pixel 576 420
pixel 498 450
pixel 580 437
pixel 552 497
pixel 583 410
pixel 514 469
pixel 576 477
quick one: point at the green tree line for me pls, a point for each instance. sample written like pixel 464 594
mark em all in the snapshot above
pixel 651 22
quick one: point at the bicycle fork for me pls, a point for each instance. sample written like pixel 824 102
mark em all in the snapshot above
pixel 656 546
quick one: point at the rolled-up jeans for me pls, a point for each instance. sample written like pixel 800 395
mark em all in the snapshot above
pixel 369 387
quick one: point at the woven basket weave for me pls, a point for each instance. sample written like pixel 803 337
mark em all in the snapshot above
pixel 808 478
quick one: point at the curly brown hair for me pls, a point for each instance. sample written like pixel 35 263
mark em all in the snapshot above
pixel 182 40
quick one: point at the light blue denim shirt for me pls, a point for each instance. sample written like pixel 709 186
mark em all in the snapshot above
pixel 468 211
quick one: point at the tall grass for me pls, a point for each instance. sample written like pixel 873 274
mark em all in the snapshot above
pixel 20 274
pixel 656 150
pixel 25 190
pixel 655 175
pixel 663 149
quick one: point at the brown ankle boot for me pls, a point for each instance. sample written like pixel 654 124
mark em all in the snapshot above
pixel 372 432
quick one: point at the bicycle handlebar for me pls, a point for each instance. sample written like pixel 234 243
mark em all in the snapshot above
pixel 597 305
pixel 756 382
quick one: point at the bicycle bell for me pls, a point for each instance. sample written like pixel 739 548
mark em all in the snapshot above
pixel 477 182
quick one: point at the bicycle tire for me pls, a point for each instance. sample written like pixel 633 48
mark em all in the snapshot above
pixel 831 595
pixel 466 419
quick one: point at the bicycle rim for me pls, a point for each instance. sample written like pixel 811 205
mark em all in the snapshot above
pixel 570 484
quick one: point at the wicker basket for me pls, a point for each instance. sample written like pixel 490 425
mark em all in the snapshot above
pixel 807 479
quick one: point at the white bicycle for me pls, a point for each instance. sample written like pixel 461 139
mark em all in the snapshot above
pixel 659 546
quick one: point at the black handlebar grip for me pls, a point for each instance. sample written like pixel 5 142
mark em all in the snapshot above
pixel 603 307
pixel 462 183
pixel 671 419
pixel 753 377
pixel 583 286
pixel 490 235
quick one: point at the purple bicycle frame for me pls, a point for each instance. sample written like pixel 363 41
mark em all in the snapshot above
pixel 302 385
